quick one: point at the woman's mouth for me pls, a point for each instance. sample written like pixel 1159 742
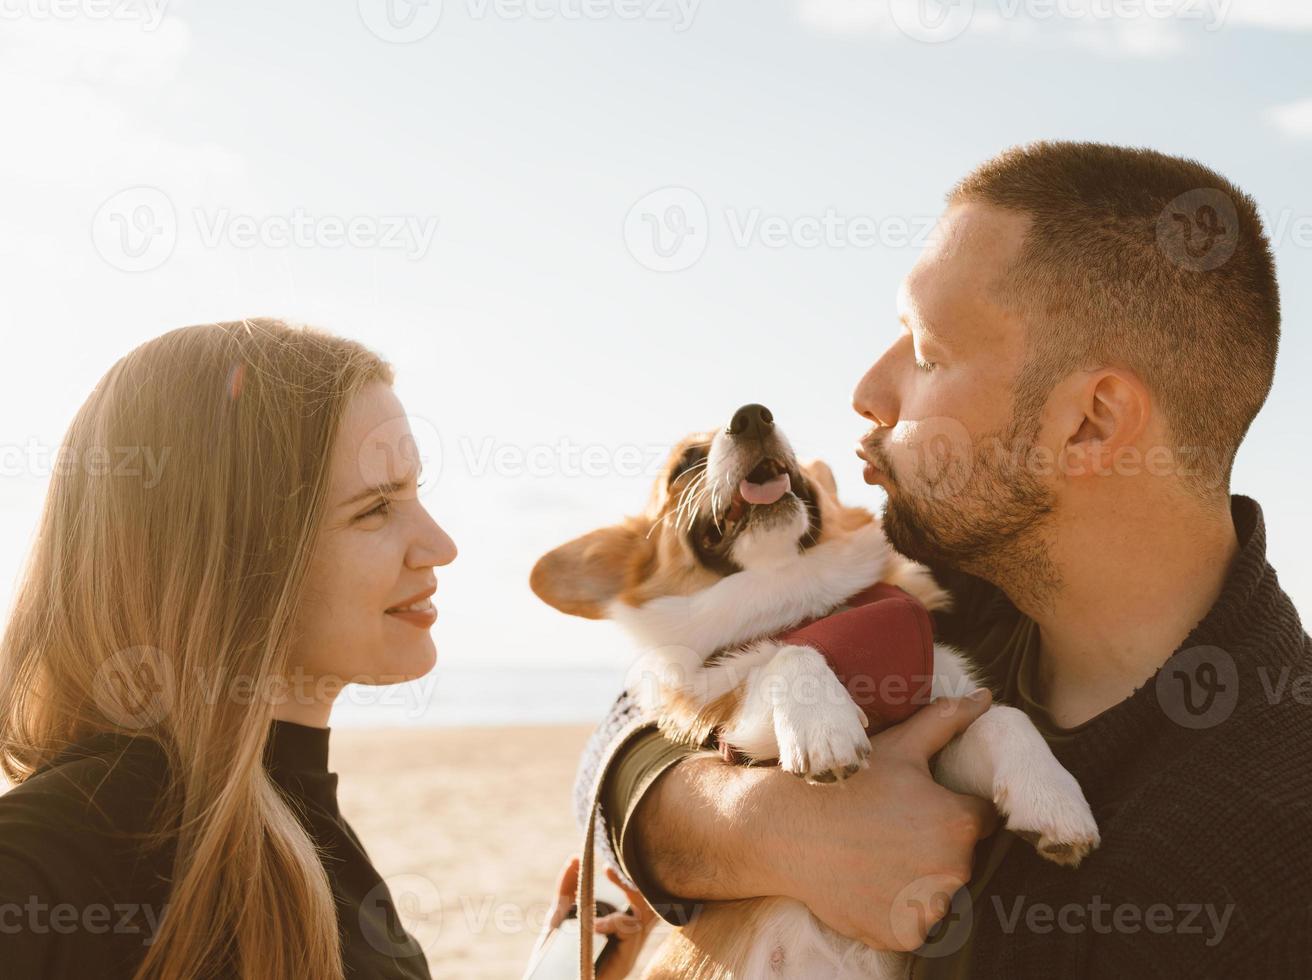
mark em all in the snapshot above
pixel 421 613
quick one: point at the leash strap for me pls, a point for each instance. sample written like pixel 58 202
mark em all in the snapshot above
pixel 584 899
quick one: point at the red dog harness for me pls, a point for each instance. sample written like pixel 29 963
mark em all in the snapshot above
pixel 880 644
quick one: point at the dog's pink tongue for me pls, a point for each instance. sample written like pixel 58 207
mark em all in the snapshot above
pixel 765 493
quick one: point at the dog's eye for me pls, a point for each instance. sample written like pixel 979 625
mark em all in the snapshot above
pixel 693 457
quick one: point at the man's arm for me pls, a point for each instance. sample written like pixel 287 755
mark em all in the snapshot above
pixel 868 857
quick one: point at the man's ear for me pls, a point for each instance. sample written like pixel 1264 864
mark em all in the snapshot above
pixel 582 576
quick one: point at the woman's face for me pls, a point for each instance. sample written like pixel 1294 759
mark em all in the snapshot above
pixel 376 552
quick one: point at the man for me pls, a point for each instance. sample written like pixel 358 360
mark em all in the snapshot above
pixel 1084 347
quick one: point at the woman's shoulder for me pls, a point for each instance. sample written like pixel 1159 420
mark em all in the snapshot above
pixel 82 887
pixel 97 794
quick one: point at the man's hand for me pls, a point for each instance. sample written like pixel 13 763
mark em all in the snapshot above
pixel 875 858
pixel 630 927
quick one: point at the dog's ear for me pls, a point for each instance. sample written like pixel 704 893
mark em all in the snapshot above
pixel 819 471
pixel 583 575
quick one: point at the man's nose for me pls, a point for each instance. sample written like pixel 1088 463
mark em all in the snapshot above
pixel 751 422
pixel 875 398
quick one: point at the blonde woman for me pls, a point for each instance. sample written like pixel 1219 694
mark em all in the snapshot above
pixel 229 538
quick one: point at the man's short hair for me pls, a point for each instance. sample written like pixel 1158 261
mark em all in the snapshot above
pixel 1148 261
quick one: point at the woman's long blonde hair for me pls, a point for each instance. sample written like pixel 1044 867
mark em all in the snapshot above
pixel 161 592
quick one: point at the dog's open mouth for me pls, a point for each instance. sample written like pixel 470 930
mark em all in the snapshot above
pixel 766 484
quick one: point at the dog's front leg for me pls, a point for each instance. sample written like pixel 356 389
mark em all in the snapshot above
pixel 795 709
pixel 1002 757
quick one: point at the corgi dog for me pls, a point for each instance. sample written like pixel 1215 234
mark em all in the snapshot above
pixel 738 543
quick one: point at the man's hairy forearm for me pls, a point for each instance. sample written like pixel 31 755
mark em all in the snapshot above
pixel 701 829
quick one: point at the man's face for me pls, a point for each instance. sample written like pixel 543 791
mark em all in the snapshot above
pixel 946 446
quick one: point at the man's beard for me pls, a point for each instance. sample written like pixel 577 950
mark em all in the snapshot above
pixel 984 515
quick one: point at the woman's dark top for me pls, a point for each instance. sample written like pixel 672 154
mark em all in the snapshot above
pixel 80 897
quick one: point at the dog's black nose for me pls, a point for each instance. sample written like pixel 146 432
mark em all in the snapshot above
pixel 751 421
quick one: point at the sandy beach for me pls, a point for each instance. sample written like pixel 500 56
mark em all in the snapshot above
pixel 477 821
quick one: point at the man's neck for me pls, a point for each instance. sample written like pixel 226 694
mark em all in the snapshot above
pixel 1133 585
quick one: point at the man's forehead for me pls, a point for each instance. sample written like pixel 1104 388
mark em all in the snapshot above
pixel 952 284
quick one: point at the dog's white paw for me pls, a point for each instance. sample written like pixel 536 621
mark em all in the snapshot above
pixel 1044 805
pixel 820 732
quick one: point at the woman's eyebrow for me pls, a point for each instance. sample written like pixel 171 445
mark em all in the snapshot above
pixel 380 490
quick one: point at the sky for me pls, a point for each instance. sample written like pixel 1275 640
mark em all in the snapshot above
pixel 582 228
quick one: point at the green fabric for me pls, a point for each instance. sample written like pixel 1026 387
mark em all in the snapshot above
pixel 637 766
pixel 1008 649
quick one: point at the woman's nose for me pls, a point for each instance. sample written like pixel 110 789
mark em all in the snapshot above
pixel 436 548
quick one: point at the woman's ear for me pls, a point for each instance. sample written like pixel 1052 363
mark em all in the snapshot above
pixel 582 576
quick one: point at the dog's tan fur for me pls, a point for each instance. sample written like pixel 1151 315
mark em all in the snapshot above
pixel 644 558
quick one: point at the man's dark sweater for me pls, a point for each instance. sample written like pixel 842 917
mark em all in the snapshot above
pixel 81 896
pixel 1201 782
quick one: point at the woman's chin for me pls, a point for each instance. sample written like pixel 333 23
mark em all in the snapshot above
pixel 413 662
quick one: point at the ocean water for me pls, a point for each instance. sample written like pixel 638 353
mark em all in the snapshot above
pixel 503 695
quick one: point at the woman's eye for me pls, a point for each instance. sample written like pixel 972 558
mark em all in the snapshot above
pixel 926 366
pixel 381 508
